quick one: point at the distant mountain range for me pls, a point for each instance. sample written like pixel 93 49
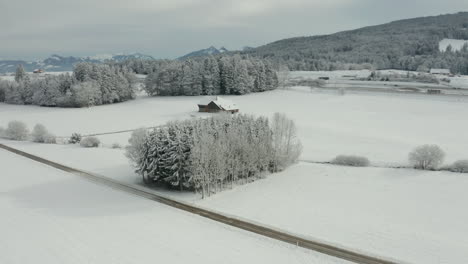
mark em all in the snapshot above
pixel 61 63
pixel 204 52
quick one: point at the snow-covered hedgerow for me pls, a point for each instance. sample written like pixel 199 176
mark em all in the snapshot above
pixel 16 130
pixel 208 154
pixel 90 142
pixel 350 160
pixel 426 157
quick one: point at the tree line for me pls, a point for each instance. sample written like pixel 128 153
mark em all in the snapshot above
pixel 234 75
pixel 96 84
pixel 209 155
pixel 89 84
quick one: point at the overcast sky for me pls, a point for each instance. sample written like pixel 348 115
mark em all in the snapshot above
pixel 170 28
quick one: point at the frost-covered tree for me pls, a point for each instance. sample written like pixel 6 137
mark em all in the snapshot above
pixel 426 157
pixel 20 73
pixel 17 130
pixel 286 144
pixel 90 84
pixel 86 94
pixel 38 134
pixel 211 76
pixel 283 75
pixel 209 155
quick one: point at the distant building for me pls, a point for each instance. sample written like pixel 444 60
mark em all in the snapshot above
pixel 434 91
pixel 440 71
pixel 217 105
pixel 38 71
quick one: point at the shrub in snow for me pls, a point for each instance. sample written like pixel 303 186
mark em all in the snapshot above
pixel 75 138
pixel 459 166
pixel 426 157
pixel 116 146
pixel 350 160
pixel 39 133
pixel 135 152
pixel 2 132
pixel 50 139
pixel 16 130
pixel 90 142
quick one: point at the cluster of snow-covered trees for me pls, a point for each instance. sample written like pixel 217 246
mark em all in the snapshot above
pixel 212 76
pixel 211 154
pixel 90 84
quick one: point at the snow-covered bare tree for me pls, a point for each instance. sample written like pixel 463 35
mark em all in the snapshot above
pixel 286 144
pixel 426 157
pixel 283 75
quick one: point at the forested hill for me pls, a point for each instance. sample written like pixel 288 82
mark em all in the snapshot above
pixel 406 44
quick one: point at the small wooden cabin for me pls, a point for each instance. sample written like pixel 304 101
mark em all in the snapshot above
pixel 217 105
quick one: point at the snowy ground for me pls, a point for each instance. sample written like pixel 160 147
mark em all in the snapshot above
pixel 53 217
pixel 457 44
pixel 414 216
pixel 410 215
pixel 384 127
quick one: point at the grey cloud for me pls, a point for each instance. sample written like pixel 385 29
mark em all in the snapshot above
pixel 169 28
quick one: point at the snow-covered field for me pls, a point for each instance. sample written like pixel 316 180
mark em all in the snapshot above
pixel 457 44
pixel 384 127
pixel 413 216
pixel 409 215
pixel 53 217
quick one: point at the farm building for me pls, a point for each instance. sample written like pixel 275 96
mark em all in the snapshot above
pixel 217 105
pixel 38 71
pixel 440 71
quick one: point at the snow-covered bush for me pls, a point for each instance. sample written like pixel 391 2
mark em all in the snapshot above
pixel 50 138
pixel 287 146
pixel 426 157
pixel 135 152
pixel 459 166
pixel 90 142
pixel 39 133
pixel 351 160
pixel 17 130
pixel 2 132
pixel 75 138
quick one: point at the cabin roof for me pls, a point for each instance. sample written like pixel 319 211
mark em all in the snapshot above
pixel 220 102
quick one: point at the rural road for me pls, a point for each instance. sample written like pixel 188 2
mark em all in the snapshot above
pixel 257 228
